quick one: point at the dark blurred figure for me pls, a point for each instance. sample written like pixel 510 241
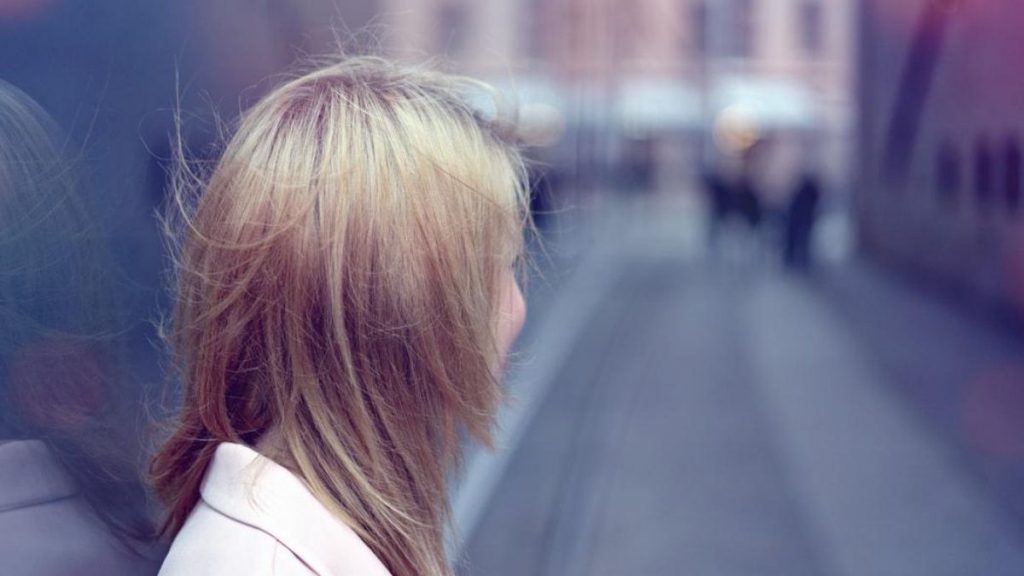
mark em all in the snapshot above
pixel 747 203
pixel 800 218
pixel 719 201
pixel 735 214
pixel 731 200
pixel 71 501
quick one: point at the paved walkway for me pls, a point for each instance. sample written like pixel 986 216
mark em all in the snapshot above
pixel 714 416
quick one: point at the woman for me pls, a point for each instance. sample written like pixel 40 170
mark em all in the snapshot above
pixel 347 296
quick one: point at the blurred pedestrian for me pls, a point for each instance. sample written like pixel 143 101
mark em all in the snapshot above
pixel 747 203
pixel 800 219
pixel 719 202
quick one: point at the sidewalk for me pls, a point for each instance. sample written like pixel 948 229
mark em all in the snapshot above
pixel 719 421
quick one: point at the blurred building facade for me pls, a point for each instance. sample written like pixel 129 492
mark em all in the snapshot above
pixel 940 161
pixel 644 83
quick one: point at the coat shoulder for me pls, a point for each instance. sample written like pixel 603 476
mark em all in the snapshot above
pixel 211 543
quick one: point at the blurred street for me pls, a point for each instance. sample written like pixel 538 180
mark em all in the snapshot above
pixel 706 412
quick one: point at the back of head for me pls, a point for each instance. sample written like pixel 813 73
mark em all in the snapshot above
pixel 338 279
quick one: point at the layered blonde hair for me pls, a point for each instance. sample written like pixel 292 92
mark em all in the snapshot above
pixel 338 284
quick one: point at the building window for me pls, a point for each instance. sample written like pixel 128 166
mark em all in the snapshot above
pixel 947 174
pixel 811 26
pixel 1012 175
pixel 983 172
pixel 743 28
pixel 698 27
pixel 453 26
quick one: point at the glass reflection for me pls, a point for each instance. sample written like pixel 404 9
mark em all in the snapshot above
pixel 71 501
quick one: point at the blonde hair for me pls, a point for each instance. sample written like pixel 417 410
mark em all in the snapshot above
pixel 338 284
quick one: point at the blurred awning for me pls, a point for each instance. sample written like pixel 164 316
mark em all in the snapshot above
pixel 771 103
pixel 648 105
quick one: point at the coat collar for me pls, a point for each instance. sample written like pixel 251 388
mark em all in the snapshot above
pixel 250 488
pixel 30 475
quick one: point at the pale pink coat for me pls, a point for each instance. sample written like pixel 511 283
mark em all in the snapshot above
pixel 255 517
